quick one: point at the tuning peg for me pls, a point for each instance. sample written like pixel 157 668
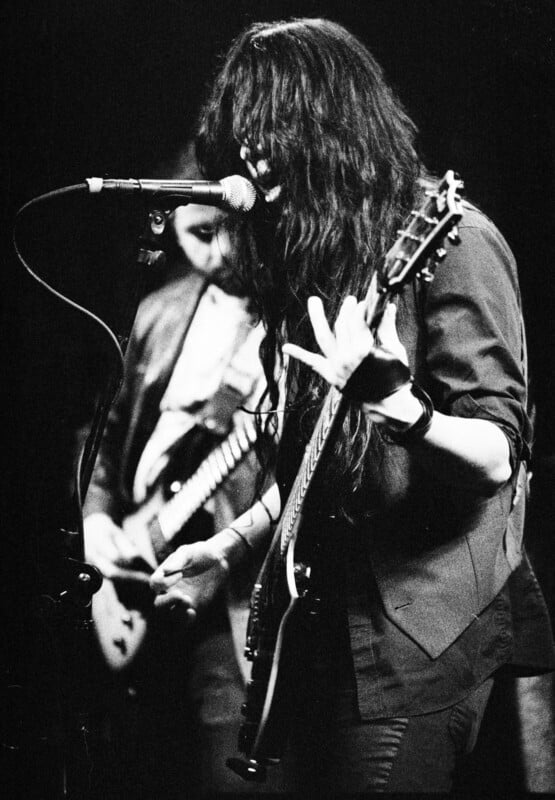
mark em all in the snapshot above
pixel 426 275
pixel 454 235
pixel 440 254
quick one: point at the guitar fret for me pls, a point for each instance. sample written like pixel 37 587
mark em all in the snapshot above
pixel 318 440
pixel 215 475
pixel 197 489
pixel 221 462
pixel 242 439
pixel 228 455
pixel 235 447
pixel 208 475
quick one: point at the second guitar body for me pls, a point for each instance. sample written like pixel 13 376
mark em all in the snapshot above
pixel 172 515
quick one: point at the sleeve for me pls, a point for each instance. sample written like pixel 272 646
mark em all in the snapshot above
pixel 475 344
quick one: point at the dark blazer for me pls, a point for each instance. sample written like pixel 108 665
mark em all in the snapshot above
pixel 154 346
pixel 156 341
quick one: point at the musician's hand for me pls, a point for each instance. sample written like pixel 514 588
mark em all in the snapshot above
pixel 344 349
pixel 192 575
pixel 109 549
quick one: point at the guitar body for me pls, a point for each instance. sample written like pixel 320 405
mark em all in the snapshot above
pixel 123 611
pixel 120 627
pixel 286 614
pixel 274 619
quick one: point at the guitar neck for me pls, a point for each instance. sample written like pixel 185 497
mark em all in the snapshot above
pixel 332 414
pixel 198 489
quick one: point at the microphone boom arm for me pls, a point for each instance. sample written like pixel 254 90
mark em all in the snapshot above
pixel 234 193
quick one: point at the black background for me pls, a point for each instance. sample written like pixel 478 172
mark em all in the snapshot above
pixel 112 87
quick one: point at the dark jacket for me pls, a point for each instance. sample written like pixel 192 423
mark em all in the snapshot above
pixel 160 327
pixel 431 612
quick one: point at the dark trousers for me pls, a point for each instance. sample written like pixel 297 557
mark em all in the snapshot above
pixel 167 730
pixel 402 754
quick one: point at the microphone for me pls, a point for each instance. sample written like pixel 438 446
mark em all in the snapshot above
pixel 234 193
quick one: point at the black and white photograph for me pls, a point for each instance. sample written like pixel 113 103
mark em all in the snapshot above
pixel 278 479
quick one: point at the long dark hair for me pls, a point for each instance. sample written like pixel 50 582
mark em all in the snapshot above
pixel 314 101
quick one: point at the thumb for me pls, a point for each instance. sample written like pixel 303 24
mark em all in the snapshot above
pixel 171 570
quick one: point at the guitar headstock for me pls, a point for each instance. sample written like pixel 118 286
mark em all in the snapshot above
pixel 421 240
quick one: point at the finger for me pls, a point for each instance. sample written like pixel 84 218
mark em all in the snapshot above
pixel 173 601
pixel 313 360
pixel 342 327
pixel 322 331
pixel 361 335
pixel 173 598
pixel 129 576
pixel 318 363
pixel 170 571
pixel 388 335
pixel 189 559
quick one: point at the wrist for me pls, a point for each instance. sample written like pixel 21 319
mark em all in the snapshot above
pixel 234 548
pixel 378 376
pixel 419 422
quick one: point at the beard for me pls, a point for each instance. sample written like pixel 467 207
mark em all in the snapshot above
pixel 228 279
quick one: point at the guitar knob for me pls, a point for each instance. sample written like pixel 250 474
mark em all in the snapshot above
pixel 302 577
pixel 454 235
pixel 121 644
pixel 426 275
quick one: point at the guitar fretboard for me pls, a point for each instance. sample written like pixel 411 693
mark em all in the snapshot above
pixel 195 492
pixel 332 411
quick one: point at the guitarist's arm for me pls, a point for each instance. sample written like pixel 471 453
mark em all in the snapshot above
pixel 465 451
pixel 177 578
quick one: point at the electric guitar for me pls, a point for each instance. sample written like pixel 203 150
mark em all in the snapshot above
pixel 283 597
pixel 121 614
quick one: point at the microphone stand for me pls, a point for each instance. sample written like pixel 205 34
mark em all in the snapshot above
pixel 87 580
pixel 60 618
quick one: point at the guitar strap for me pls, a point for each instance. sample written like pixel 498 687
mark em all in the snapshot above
pixel 216 417
pixel 217 413
pixel 238 385
pixel 161 547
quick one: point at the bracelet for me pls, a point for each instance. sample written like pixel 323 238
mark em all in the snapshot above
pixel 377 376
pixel 245 541
pixel 267 510
pixel 420 428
